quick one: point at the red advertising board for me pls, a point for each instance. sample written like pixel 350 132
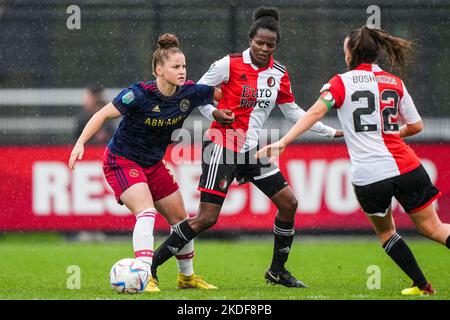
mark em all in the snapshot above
pixel 38 192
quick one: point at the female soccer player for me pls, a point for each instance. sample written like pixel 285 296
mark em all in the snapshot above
pixel 133 161
pixel 370 103
pixel 252 83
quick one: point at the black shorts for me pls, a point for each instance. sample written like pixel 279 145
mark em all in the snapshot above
pixel 413 190
pixel 221 166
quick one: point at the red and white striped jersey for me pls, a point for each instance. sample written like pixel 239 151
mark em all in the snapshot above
pixel 251 93
pixel 372 104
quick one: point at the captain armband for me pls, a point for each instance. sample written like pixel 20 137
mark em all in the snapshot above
pixel 326 97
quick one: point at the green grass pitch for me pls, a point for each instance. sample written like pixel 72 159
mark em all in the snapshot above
pixel 35 267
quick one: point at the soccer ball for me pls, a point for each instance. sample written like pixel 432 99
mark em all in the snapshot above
pixel 129 276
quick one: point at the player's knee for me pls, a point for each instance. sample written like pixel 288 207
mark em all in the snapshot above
pixel 289 206
pixel 294 205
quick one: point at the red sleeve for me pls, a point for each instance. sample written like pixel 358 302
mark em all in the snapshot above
pixel 337 89
pixel 285 93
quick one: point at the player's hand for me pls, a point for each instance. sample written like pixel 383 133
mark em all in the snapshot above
pixel 77 154
pixel 223 116
pixel 272 151
pixel 339 134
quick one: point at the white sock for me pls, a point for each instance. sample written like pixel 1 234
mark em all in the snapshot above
pixel 143 239
pixel 185 258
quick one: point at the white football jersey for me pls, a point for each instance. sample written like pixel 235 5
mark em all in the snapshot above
pixel 251 93
pixel 372 104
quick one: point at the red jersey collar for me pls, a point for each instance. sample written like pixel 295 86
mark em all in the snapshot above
pixel 248 60
pixel 368 67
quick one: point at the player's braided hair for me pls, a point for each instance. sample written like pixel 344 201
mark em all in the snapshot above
pixel 167 43
pixel 368 45
pixel 265 18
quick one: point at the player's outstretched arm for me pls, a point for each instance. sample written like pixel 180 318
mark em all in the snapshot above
pixel 294 113
pixel 93 125
pixel 314 114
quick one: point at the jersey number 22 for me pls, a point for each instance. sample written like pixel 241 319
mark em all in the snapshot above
pixel 390 100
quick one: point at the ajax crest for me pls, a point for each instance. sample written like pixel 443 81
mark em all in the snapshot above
pixel 184 105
